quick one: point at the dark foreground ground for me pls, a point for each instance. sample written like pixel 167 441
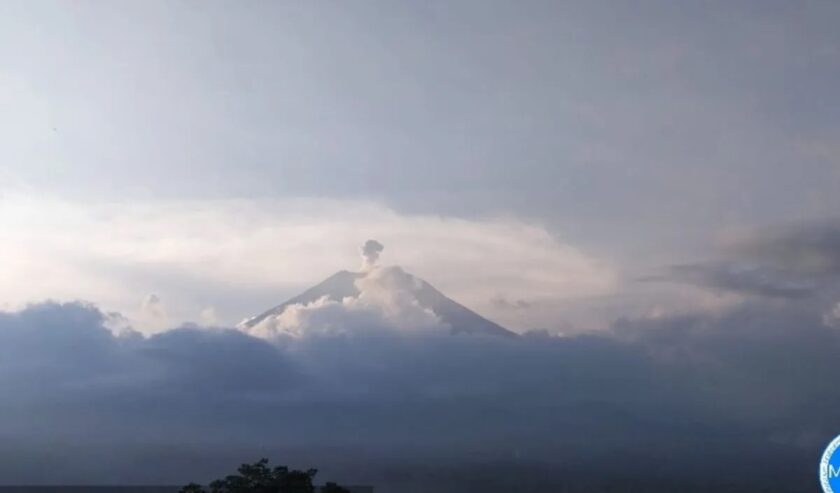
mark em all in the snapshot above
pixel 121 489
pixel 623 473
pixel 89 489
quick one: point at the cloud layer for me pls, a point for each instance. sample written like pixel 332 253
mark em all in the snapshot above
pixel 716 395
pixel 794 264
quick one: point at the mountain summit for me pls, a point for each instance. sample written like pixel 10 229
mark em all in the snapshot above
pixel 376 296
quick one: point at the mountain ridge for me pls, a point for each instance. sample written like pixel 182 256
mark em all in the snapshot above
pixel 344 284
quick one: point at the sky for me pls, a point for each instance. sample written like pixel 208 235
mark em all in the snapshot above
pixel 640 188
pixel 634 136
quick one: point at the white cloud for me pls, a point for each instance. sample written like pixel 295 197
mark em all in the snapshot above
pixel 208 317
pixel 240 256
pixel 153 313
pixel 385 301
pixel 832 316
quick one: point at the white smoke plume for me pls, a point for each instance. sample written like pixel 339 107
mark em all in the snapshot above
pixel 370 254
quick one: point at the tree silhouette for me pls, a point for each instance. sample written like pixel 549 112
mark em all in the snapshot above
pixel 260 478
pixel 192 488
pixel 333 488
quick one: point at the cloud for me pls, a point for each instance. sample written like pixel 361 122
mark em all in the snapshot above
pixel 208 317
pixel 385 299
pixel 241 256
pixel 808 248
pixel 739 278
pixel 675 394
pixel 796 262
pixel 153 313
pixel 505 304
pixel 832 316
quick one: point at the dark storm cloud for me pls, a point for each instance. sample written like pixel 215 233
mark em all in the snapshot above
pixel 811 249
pixel 716 395
pixel 730 276
pixel 794 262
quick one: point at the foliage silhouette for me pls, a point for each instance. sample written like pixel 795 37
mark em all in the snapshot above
pixel 333 488
pixel 260 478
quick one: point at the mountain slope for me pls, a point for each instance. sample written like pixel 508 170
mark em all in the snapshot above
pixel 346 284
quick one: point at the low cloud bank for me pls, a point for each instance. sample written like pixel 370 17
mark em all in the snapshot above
pixel 696 401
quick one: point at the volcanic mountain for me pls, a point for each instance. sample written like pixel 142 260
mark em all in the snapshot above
pixel 346 286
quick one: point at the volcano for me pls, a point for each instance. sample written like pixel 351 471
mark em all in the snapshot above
pixel 390 283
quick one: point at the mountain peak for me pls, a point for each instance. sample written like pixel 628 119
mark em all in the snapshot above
pixel 376 296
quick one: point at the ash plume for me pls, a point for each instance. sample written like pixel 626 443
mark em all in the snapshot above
pixel 370 254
